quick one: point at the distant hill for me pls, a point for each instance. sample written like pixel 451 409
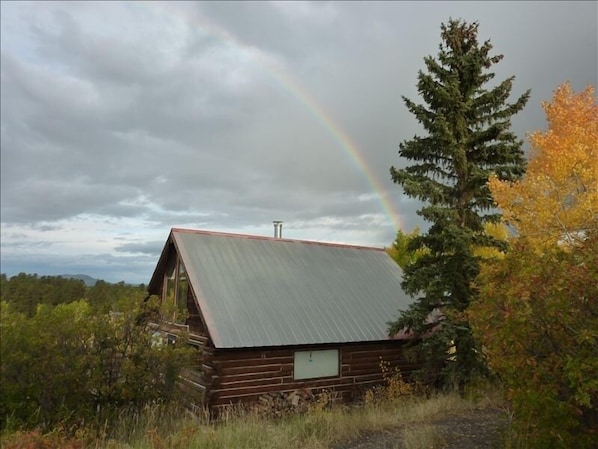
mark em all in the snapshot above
pixel 89 281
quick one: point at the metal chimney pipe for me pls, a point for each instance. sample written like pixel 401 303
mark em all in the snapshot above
pixel 277 229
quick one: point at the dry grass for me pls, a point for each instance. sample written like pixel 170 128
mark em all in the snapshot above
pixel 424 436
pixel 321 428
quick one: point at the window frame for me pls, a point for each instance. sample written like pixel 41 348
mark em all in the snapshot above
pixel 327 369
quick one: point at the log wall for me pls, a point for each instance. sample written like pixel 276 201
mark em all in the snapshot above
pixel 241 376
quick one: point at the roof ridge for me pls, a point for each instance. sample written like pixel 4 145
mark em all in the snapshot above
pixel 263 237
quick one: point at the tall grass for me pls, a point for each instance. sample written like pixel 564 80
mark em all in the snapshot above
pixel 322 427
pixel 318 429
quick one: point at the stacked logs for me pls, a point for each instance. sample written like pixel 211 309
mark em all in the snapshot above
pixel 278 404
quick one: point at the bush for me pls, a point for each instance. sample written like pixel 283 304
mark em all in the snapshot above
pixel 538 324
pixel 68 365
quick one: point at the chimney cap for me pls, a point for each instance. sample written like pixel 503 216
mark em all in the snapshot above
pixel 277 229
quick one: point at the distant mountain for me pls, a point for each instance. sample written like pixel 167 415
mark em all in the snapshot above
pixel 89 281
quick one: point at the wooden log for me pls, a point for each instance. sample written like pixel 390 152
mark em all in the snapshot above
pixel 223 366
pixel 255 369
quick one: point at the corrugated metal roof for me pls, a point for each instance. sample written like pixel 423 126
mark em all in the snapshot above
pixel 260 291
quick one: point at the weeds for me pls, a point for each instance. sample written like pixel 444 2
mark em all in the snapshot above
pixel 394 385
pixel 34 439
pixel 325 425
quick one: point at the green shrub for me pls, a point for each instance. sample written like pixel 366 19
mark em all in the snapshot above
pixel 71 366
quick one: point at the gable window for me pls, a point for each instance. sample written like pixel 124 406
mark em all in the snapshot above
pixel 169 283
pixel 175 291
pixel 181 290
pixel 316 364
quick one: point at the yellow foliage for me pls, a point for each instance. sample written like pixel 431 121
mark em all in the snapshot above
pixel 399 250
pixel 394 385
pixel 322 402
pixel 557 199
pixel 500 232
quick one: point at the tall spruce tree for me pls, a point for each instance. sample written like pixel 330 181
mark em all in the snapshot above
pixel 468 139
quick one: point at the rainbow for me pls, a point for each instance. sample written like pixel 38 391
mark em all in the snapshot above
pixel 294 87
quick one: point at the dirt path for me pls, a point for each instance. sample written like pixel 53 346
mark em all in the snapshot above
pixel 476 429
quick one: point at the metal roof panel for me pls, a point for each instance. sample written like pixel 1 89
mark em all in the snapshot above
pixel 261 291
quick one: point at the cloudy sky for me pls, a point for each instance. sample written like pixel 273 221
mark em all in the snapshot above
pixel 123 120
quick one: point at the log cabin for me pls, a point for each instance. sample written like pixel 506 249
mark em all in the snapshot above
pixel 275 315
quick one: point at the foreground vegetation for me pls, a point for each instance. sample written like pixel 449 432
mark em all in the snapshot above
pixel 323 426
pixel 81 363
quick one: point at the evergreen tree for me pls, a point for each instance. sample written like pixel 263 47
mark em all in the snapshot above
pixel 468 139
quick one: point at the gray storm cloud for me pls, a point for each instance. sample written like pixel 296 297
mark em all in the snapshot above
pixel 121 120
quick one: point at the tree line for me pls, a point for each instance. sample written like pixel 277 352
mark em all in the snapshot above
pixel 25 292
